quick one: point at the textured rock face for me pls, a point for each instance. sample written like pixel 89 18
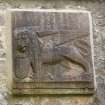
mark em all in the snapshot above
pixel 53 50
pixel 97 8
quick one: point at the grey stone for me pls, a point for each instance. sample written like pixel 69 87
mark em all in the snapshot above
pixel 97 8
pixel 2 20
pixel 52 47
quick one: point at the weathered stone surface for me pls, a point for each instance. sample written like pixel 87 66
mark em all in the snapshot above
pixel 2 20
pixel 53 50
pixel 97 7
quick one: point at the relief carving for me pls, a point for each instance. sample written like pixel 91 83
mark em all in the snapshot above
pixel 31 46
pixel 52 52
pixel 27 48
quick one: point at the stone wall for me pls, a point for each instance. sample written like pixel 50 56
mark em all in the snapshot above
pixel 97 8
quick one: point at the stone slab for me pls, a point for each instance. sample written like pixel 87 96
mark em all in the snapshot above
pixel 52 52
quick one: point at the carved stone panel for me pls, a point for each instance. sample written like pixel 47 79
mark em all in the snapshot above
pixel 52 52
